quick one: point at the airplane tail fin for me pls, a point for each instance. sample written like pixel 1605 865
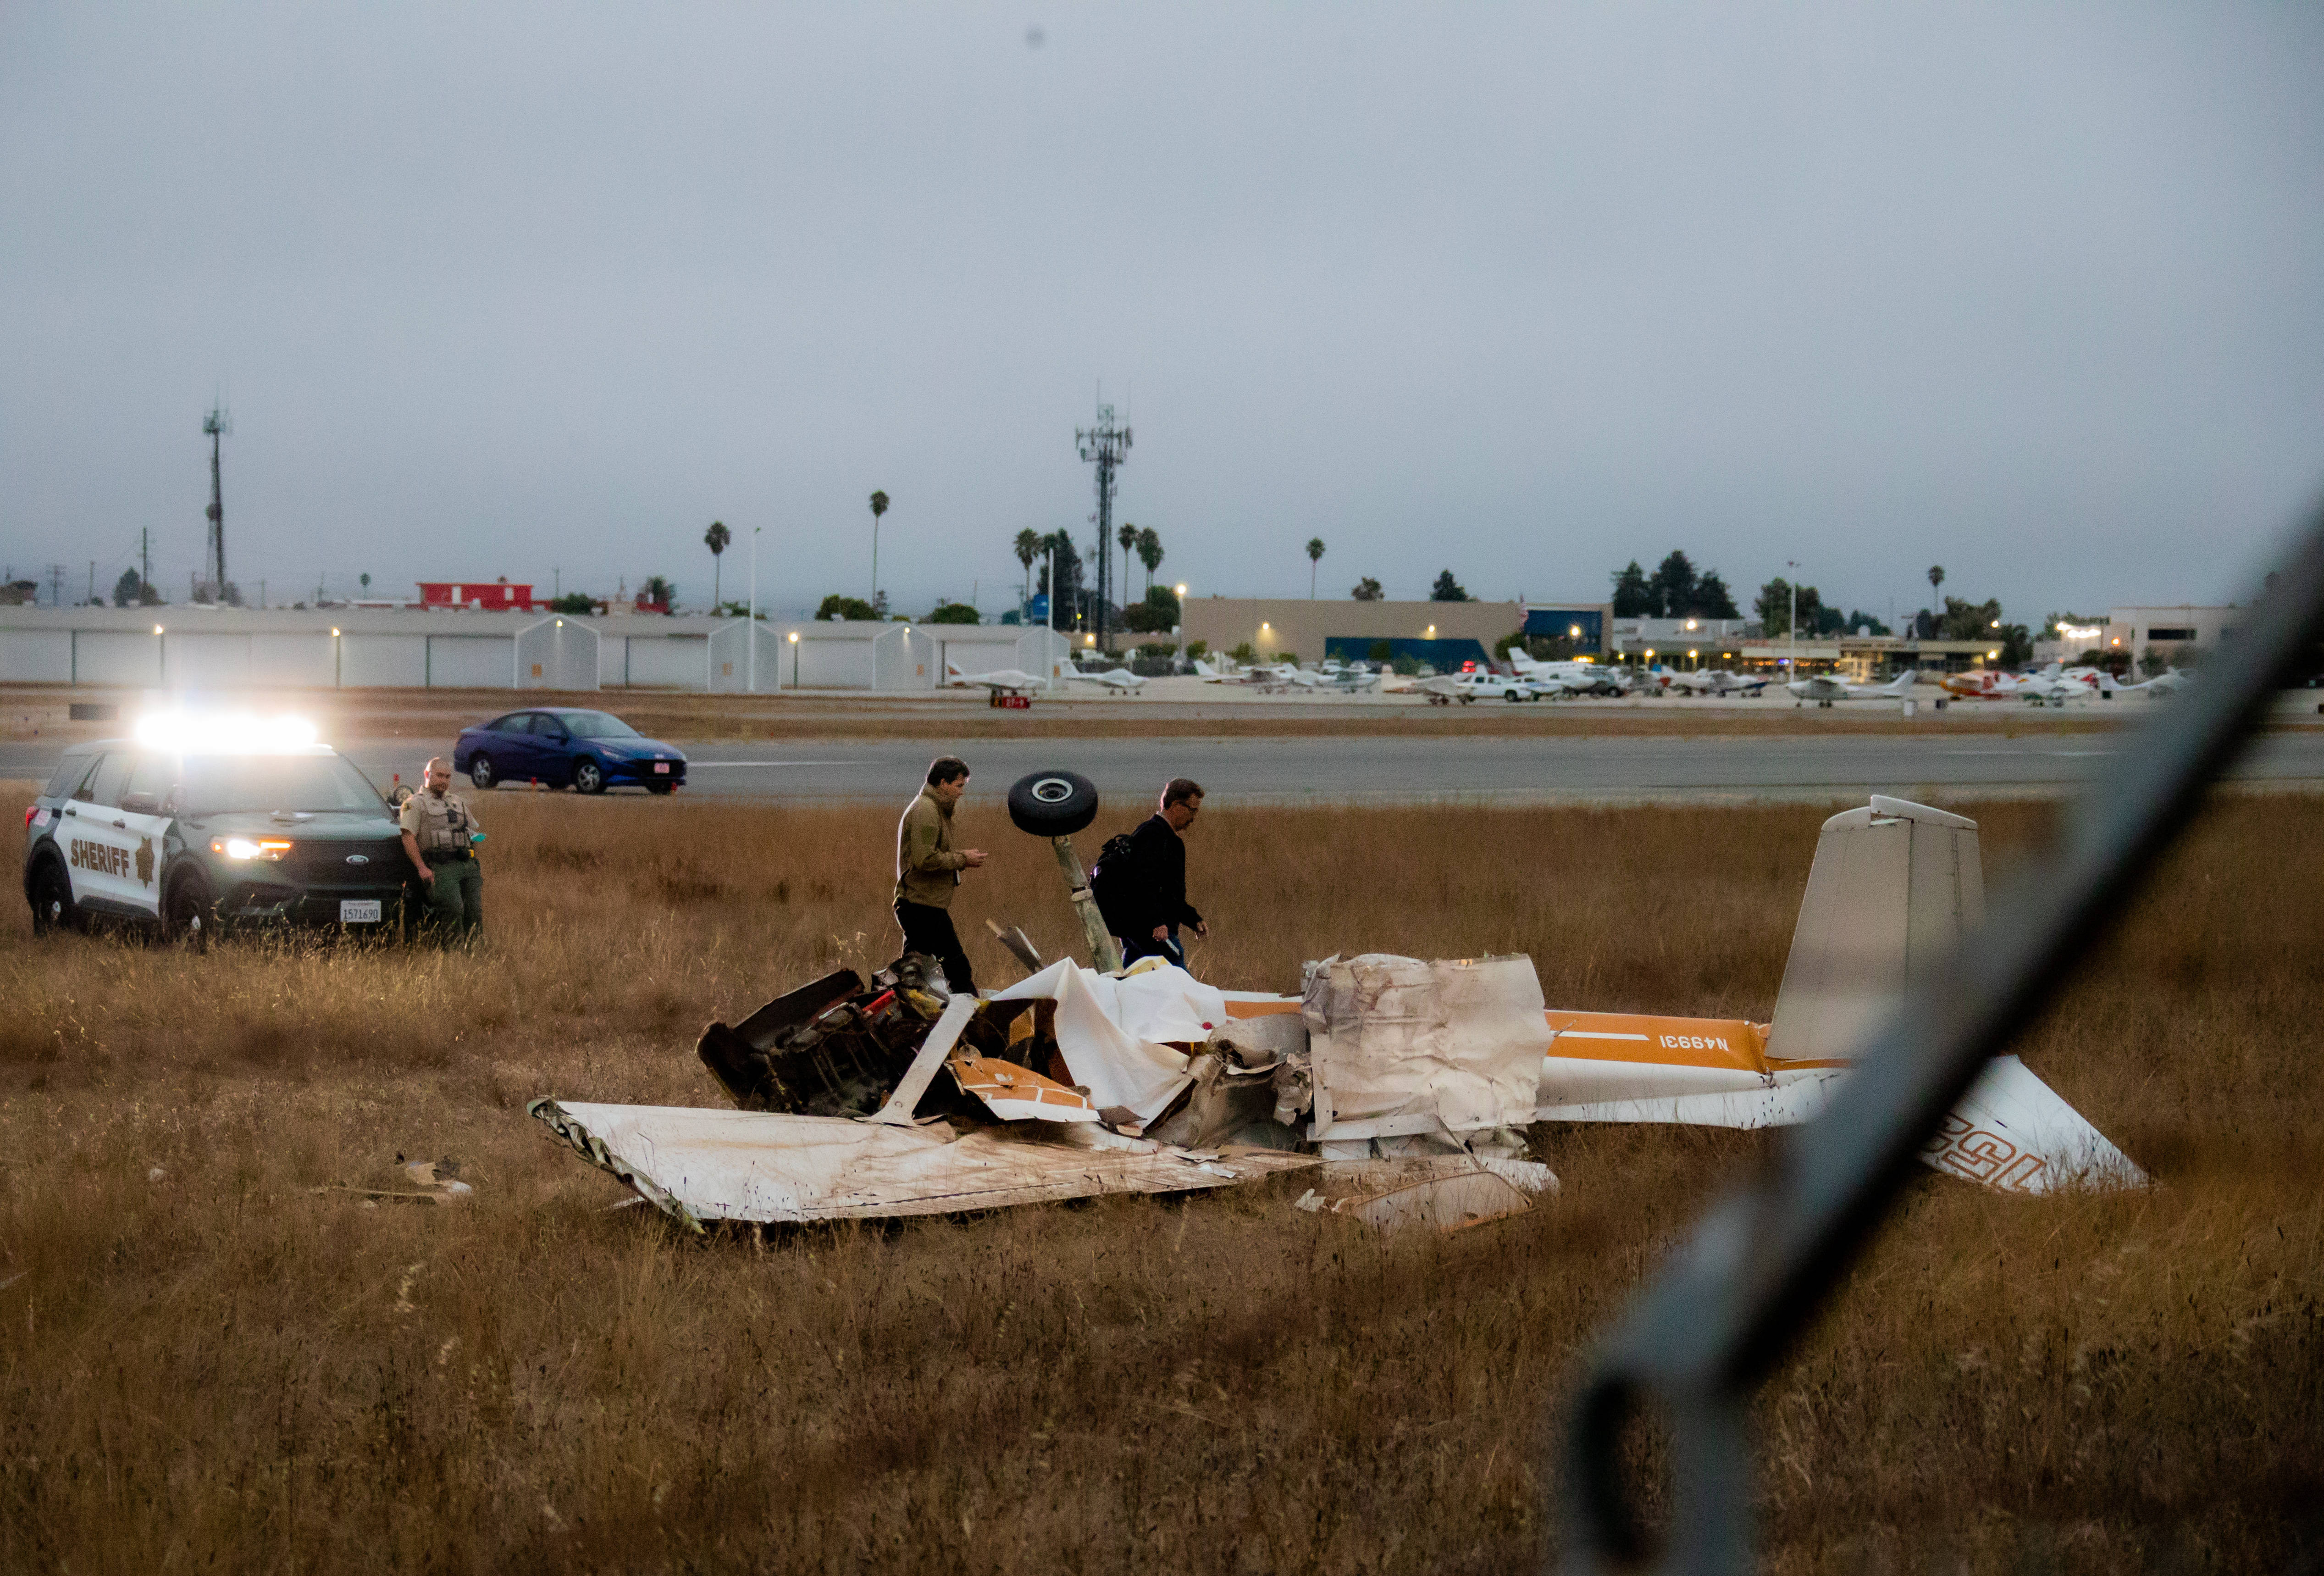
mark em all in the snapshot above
pixel 1894 887
pixel 1902 681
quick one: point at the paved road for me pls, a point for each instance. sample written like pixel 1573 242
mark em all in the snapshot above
pixel 1390 770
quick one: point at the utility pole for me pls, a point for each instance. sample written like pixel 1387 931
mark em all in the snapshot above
pixel 750 629
pixel 215 425
pixel 144 562
pixel 56 585
pixel 1793 564
pixel 92 579
pixel 1104 445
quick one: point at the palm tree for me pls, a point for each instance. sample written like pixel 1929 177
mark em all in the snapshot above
pixel 1149 553
pixel 1128 537
pixel 1030 547
pixel 715 539
pixel 1315 563
pixel 878 507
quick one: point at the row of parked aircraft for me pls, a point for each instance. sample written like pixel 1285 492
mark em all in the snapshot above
pixel 1529 679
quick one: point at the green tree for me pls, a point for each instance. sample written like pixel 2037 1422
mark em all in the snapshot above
pixel 878 507
pixel 1149 553
pixel 1127 536
pixel 1157 613
pixel 1368 589
pixel 1315 562
pixel 657 592
pixel 1712 599
pixel 715 539
pixel 954 613
pixel 1633 598
pixel 1671 586
pixel 1970 620
pixel 1774 608
pixel 578 602
pixel 851 609
pixel 1029 548
pixel 128 589
pixel 1447 590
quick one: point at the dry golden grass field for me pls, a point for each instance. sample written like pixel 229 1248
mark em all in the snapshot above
pixel 205 1363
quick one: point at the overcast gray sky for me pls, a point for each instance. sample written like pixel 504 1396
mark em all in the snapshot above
pixel 1522 291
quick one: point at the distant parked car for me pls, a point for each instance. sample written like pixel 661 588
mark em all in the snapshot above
pixel 586 751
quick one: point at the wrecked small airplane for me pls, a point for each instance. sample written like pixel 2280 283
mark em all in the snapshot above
pixel 1407 1086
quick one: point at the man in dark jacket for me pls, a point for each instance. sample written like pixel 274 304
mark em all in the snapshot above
pixel 1147 897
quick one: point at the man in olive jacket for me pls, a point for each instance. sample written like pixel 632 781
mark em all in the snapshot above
pixel 927 869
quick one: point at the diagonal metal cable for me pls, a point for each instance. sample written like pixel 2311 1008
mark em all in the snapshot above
pixel 1761 1262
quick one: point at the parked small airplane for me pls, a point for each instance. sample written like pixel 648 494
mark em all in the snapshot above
pixel 1111 677
pixel 999 681
pixel 1717 681
pixel 1824 690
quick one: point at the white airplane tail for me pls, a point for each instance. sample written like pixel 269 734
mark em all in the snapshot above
pixel 1894 887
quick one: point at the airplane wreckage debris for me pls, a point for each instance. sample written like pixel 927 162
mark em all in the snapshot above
pixel 1403 1087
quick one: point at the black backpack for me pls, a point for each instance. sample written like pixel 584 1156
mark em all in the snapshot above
pixel 1114 861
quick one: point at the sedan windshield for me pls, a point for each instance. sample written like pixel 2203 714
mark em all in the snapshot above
pixel 595 725
pixel 313 782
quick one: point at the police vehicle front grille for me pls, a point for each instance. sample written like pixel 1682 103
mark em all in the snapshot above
pixel 325 864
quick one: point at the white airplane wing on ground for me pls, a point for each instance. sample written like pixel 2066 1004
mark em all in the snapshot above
pixel 1001 682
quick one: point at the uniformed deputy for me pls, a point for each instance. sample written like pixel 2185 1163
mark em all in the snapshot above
pixel 927 869
pixel 436 828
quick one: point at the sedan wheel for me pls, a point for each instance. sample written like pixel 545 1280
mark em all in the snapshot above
pixel 588 777
pixel 483 773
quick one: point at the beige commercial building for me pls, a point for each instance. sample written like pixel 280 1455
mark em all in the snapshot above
pixel 1442 634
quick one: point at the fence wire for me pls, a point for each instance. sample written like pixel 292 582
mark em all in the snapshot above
pixel 1752 1273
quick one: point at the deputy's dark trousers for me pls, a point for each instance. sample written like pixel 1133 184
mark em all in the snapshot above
pixel 454 903
pixel 928 930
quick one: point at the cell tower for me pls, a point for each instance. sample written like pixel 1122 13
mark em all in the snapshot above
pixel 1104 445
pixel 215 425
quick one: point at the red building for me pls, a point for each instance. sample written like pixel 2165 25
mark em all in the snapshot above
pixel 492 595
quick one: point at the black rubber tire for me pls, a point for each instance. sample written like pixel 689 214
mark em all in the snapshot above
pixel 398 794
pixel 483 773
pixel 53 908
pixel 188 913
pixel 588 777
pixel 1052 804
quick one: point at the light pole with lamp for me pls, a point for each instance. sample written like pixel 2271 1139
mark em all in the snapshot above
pixel 793 659
pixel 750 627
pixel 1792 662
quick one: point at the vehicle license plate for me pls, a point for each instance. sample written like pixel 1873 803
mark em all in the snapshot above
pixel 662 766
pixel 359 911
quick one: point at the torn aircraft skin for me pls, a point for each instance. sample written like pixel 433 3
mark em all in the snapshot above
pixel 1410 1084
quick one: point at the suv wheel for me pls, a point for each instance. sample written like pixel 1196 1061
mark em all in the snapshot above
pixel 482 773
pixel 188 915
pixel 53 908
pixel 588 777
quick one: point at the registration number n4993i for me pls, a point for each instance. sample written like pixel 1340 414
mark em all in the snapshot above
pixel 359 911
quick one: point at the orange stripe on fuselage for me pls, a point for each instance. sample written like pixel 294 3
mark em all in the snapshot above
pixel 1724 1042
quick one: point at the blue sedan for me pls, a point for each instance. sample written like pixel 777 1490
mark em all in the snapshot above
pixel 588 751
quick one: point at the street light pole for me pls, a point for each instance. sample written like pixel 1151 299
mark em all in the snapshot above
pixel 1793 564
pixel 750 625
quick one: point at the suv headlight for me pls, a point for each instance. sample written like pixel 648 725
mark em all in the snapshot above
pixel 248 848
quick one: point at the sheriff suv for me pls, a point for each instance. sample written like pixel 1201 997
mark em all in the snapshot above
pixel 187 838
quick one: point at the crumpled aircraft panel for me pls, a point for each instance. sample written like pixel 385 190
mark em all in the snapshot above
pixel 698 1166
